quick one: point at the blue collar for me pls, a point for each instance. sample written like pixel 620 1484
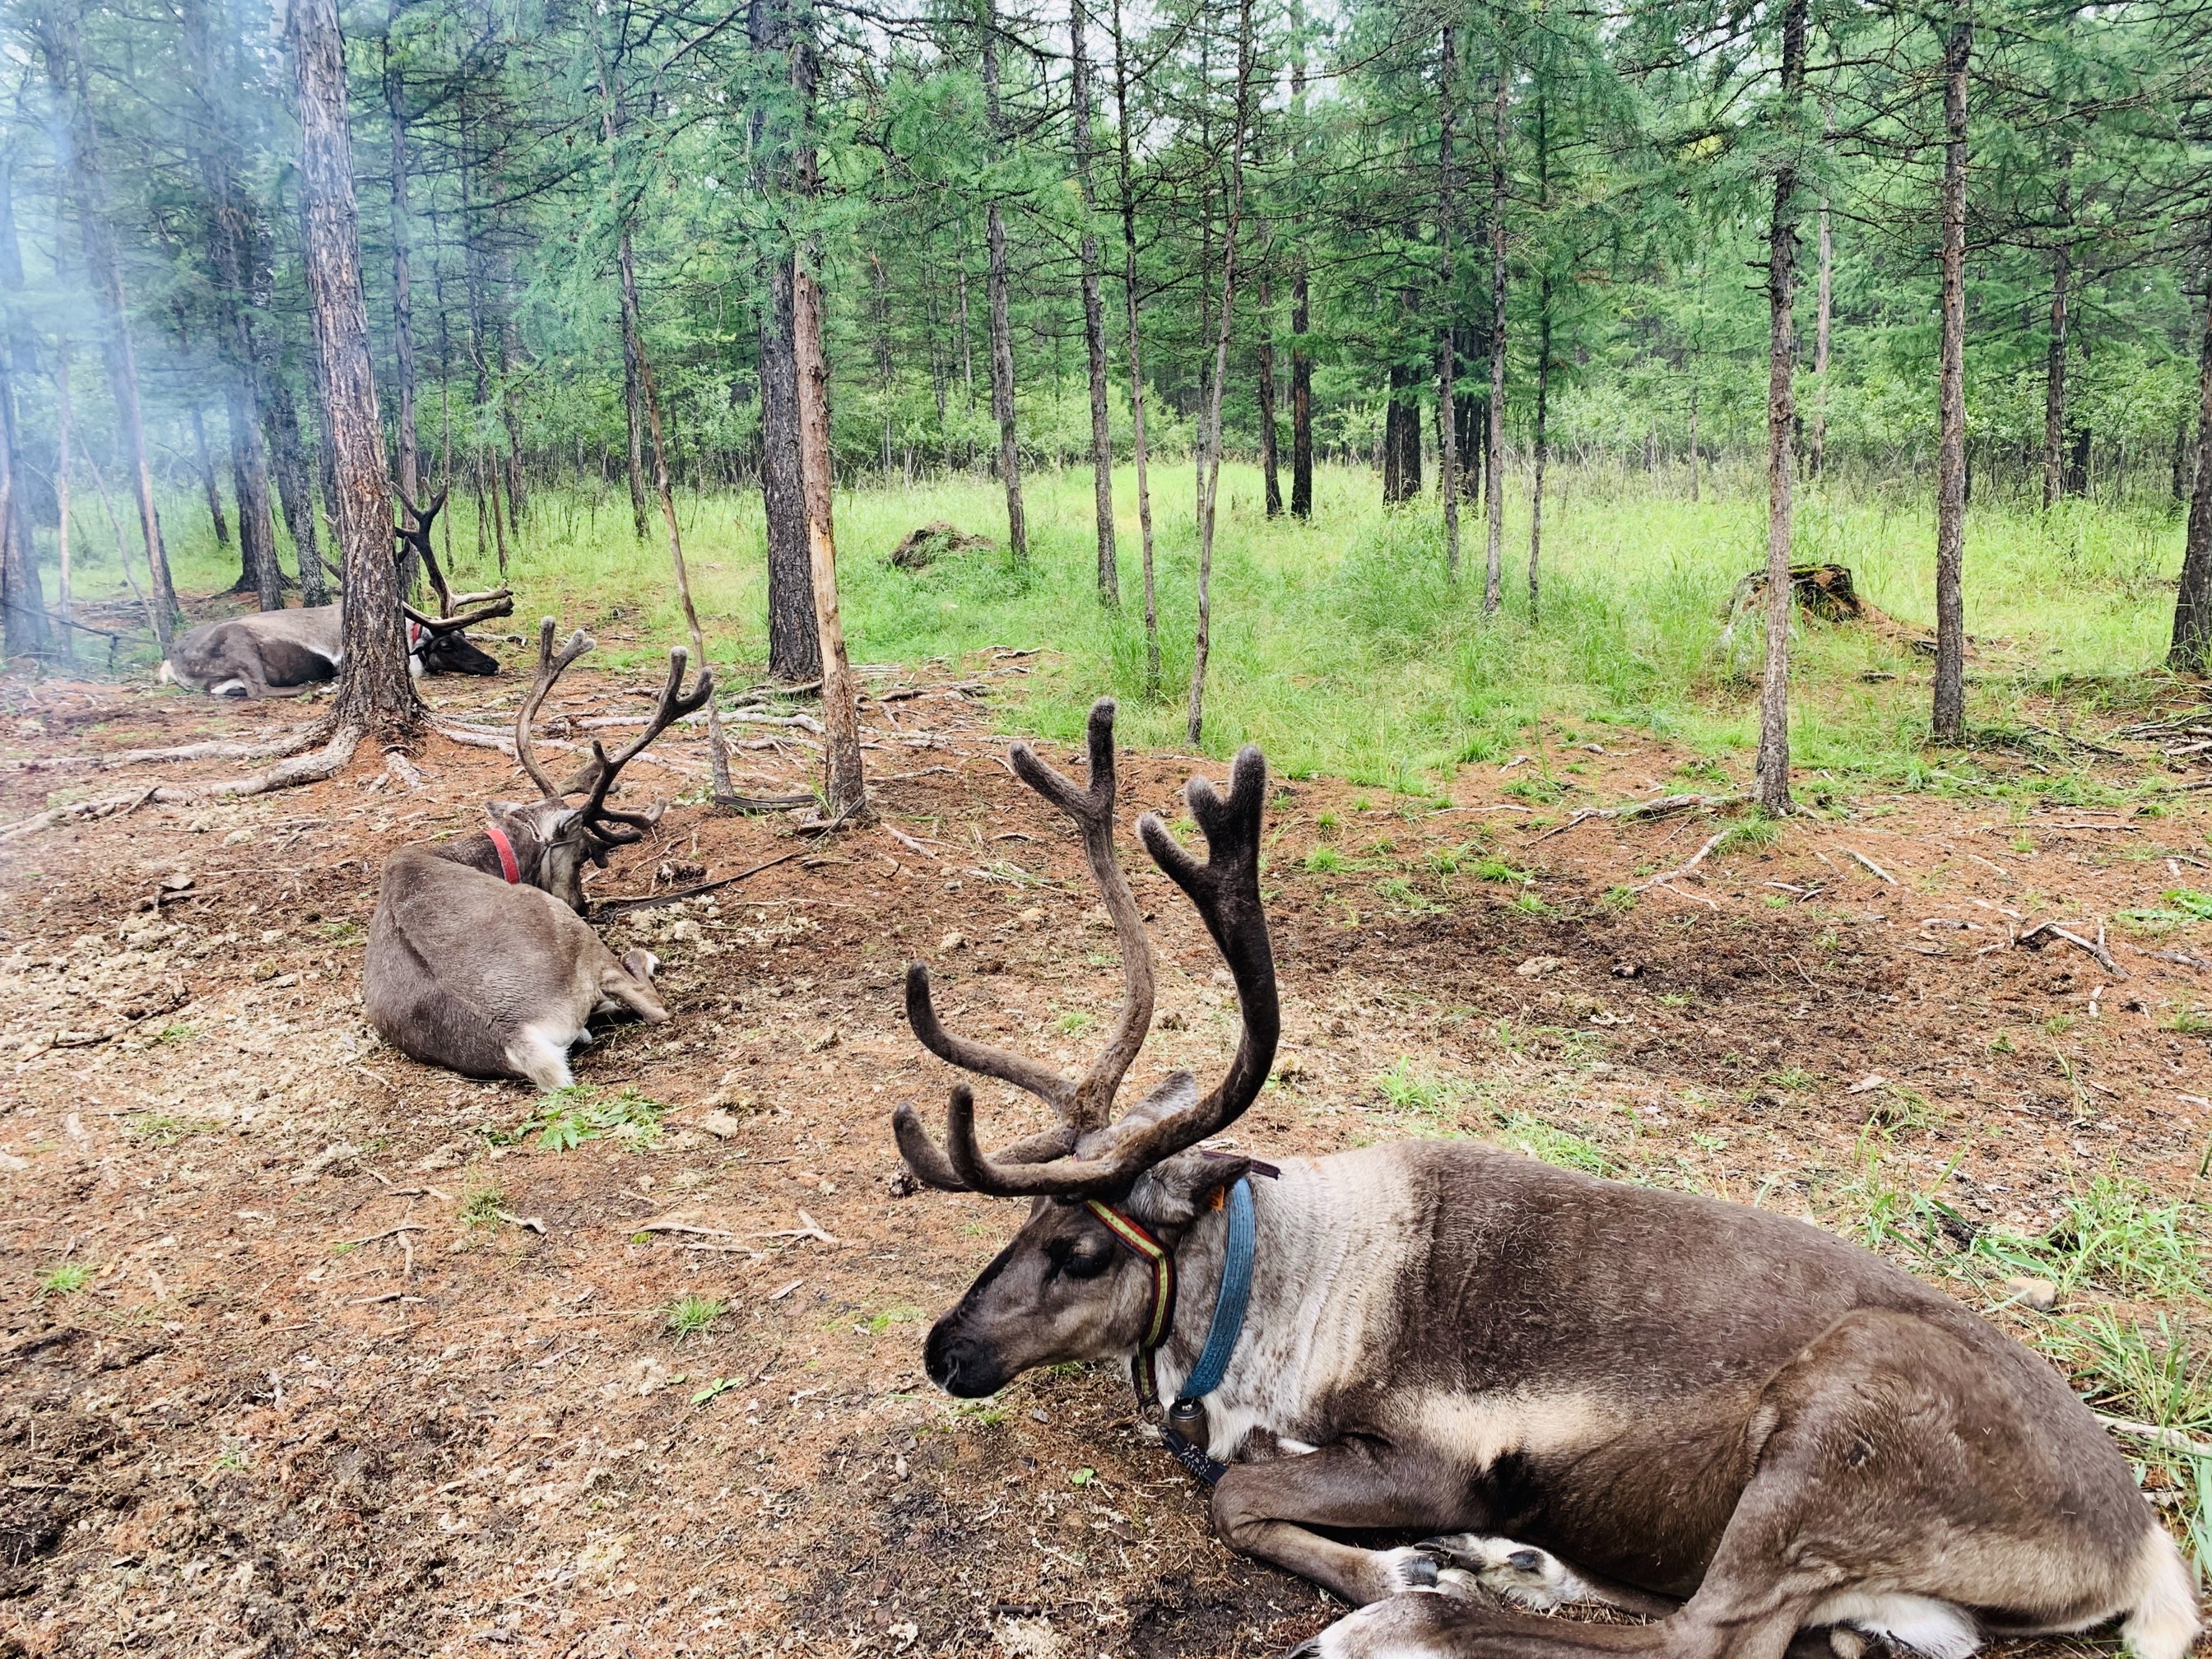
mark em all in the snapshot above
pixel 1226 1326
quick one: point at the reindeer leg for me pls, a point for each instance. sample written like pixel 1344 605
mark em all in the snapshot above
pixel 629 985
pixel 1268 1510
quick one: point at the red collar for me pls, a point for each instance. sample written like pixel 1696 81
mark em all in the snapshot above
pixel 508 865
pixel 414 634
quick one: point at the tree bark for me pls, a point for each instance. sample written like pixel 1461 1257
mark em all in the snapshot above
pixel 1493 460
pixel 1447 365
pixel 1949 723
pixel 1270 467
pixel 2191 651
pixel 1002 338
pixel 375 694
pixel 1770 777
pixel 2054 368
pixel 1136 359
pixel 1540 452
pixel 295 493
pixel 23 600
pixel 63 48
pixel 211 492
pixel 845 787
pixel 64 436
pixel 1301 393
pixel 634 418
pixel 249 474
pixel 403 301
pixel 1094 317
pixel 794 639
pixel 1401 434
pixel 1209 496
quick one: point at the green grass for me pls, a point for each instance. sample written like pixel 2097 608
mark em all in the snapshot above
pixel 1340 648
pixel 67 1279
pixel 481 1207
pixel 161 1129
pixel 689 1316
pixel 565 1119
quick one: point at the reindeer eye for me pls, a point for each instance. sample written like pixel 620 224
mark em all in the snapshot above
pixel 1081 1258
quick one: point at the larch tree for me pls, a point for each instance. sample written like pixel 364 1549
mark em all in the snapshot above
pixel 999 281
pixel 1949 721
pixel 1094 309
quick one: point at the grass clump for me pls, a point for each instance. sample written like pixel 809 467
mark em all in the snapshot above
pixel 481 1207
pixel 689 1316
pixel 567 1118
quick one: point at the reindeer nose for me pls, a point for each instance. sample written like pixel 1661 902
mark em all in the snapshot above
pixel 960 1366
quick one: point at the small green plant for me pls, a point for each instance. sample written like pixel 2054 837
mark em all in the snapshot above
pixel 1409 1088
pixel 1492 868
pixel 1324 861
pixel 567 1118
pixel 66 1279
pixel 1529 904
pixel 174 1034
pixel 2191 903
pixel 1075 1022
pixel 161 1129
pixel 876 1324
pixel 1325 822
pixel 1795 1078
pixel 1081 1478
pixel 690 1315
pixel 976 1413
pixel 481 1207
pixel 1524 1132
pixel 2190 1022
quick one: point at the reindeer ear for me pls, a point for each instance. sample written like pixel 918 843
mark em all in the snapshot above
pixel 1175 1194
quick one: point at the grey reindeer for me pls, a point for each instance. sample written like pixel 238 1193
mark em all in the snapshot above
pixel 479 959
pixel 1582 1390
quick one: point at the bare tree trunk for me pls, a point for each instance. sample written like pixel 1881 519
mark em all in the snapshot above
pixel 1094 317
pixel 403 301
pixel 633 351
pixel 1270 468
pixel 249 472
pixel 634 418
pixel 1541 453
pixel 510 416
pixel 65 68
pixel 1136 359
pixel 1447 353
pixel 294 489
pixel 844 781
pixel 1210 496
pixel 1771 785
pixel 2191 650
pixel 1693 442
pixel 1493 581
pixel 1301 394
pixel 1002 338
pixel 22 601
pixel 64 434
pixel 794 639
pixel 211 491
pixel 375 694
pixel 2054 370
pixel 1949 723
pixel 1816 459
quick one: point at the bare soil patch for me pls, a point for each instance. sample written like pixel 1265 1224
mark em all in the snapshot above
pixel 366 1359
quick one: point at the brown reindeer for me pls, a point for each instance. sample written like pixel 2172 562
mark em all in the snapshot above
pixel 1576 1389
pixel 478 957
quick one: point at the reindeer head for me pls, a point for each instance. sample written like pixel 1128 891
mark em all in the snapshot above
pixel 439 644
pixel 1065 1289
pixel 563 838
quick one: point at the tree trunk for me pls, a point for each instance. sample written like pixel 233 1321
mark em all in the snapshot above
pixel 1402 435
pixel 1816 457
pixel 211 493
pixel 794 639
pixel 1002 338
pixel 402 304
pixel 1210 495
pixel 22 601
pixel 1540 452
pixel 845 787
pixel 1770 779
pixel 64 435
pixel 2054 368
pixel 1447 394
pixel 1270 468
pixel 295 488
pixel 1493 460
pixel 1136 359
pixel 2191 650
pixel 1949 724
pixel 63 51
pixel 718 754
pixel 1094 318
pixel 1694 495
pixel 1301 394
pixel 249 473
pixel 634 418
pixel 375 694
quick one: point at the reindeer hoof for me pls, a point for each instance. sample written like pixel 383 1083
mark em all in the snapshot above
pixel 1520 1572
pixel 1404 1624
pixel 1404 1569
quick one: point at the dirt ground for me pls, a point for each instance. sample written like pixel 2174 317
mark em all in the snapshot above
pixel 366 1360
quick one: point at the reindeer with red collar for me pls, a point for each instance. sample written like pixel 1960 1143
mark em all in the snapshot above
pixel 1558 1389
pixel 479 959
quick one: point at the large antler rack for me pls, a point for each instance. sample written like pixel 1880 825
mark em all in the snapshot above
pixel 605 828
pixel 455 611
pixel 1086 1155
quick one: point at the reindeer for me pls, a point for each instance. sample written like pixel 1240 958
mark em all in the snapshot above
pixel 281 653
pixel 1578 1389
pixel 478 957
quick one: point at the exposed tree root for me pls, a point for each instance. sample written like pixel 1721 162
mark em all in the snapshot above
pixel 325 762
pixel 216 749
pixel 1643 811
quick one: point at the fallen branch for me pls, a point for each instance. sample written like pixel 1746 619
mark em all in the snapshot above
pixel 2043 932
pixel 808 1228
pixel 624 906
pixel 217 749
pixel 1641 811
pixel 390 1232
pixel 1665 879
pixel 529 1223
pixel 1854 853
pixel 683 1227
pixel 2172 1439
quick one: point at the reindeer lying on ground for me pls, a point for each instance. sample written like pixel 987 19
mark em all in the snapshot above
pixel 281 653
pixel 478 958
pixel 1599 1391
